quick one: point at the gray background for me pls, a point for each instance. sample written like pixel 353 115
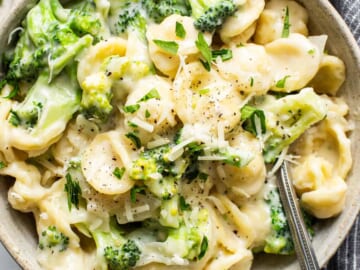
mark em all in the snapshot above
pixel 347 258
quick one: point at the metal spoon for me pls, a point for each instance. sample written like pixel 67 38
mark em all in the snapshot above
pixel 303 247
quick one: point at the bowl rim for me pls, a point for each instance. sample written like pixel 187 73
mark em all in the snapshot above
pixel 19 7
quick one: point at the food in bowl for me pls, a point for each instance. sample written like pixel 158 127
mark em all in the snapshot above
pixel 147 135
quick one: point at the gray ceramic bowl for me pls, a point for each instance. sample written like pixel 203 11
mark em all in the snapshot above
pixel 17 230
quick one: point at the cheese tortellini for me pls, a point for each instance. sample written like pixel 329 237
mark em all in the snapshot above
pixel 167 156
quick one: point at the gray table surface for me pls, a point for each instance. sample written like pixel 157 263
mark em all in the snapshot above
pixel 347 258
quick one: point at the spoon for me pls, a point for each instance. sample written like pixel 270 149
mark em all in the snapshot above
pixel 303 247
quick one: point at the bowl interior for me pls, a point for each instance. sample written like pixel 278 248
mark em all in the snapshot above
pixel 17 230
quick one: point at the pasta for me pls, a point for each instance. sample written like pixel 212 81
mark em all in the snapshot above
pixel 156 146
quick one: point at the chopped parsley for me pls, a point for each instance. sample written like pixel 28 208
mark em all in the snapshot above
pixel 180 30
pixel 135 190
pixel 203 247
pixel 225 54
pixel 73 190
pixel 131 124
pixel 2 164
pixel 251 81
pixel 311 52
pixel 204 50
pixel 135 139
pixel 147 114
pixel 286 28
pixel 184 206
pixel 131 108
pixel 249 116
pixel 153 93
pixel 281 83
pixel 204 91
pixel 168 46
pixel 119 173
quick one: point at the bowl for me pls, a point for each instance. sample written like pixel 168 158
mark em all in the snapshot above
pixel 17 230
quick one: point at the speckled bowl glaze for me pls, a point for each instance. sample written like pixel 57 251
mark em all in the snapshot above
pixel 17 230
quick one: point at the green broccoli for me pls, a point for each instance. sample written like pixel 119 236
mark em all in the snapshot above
pixel 279 241
pixel 159 10
pixel 112 247
pixel 122 258
pixel 52 37
pixel 170 212
pixel 286 119
pixel 53 239
pixel 97 88
pixel 158 173
pixel 189 240
pixel 209 15
pixel 46 105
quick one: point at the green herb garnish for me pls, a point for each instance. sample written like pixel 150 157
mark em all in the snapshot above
pixel 180 30
pixel 135 190
pixel 2 164
pixel 73 190
pixel 225 54
pixel 131 108
pixel 204 50
pixel 168 46
pixel 153 93
pixel 184 206
pixel 281 83
pixel 286 28
pixel 249 116
pixel 119 173
pixel 203 247
pixel 135 139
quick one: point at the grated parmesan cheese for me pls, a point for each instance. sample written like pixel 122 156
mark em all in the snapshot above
pixel 143 124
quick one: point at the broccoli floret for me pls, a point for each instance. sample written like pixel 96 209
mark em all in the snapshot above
pixel 287 118
pixel 52 37
pixel 53 239
pixel 190 239
pixel 128 15
pixel 117 252
pixel 97 88
pixel 96 97
pixel 159 10
pixel 279 241
pixel 170 213
pixel 122 258
pixel 158 173
pixel 83 20
pixel 47 107
pixel 209 15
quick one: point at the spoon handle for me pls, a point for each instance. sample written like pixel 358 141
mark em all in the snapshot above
pixel 303 247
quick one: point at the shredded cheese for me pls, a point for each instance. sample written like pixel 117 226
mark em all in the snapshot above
pixel 143 124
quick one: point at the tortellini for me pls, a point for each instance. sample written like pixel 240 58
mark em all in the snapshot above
pixel 154 106
pixel 294 60
pixel 324 163
pixel 205 98
pixel 246 181
pixel 249 69
pixel 94 58
pixel 177 163
pixel 330 76
pixel 271 22
pixel 107 152
pixel 165 61
pixel 243 18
